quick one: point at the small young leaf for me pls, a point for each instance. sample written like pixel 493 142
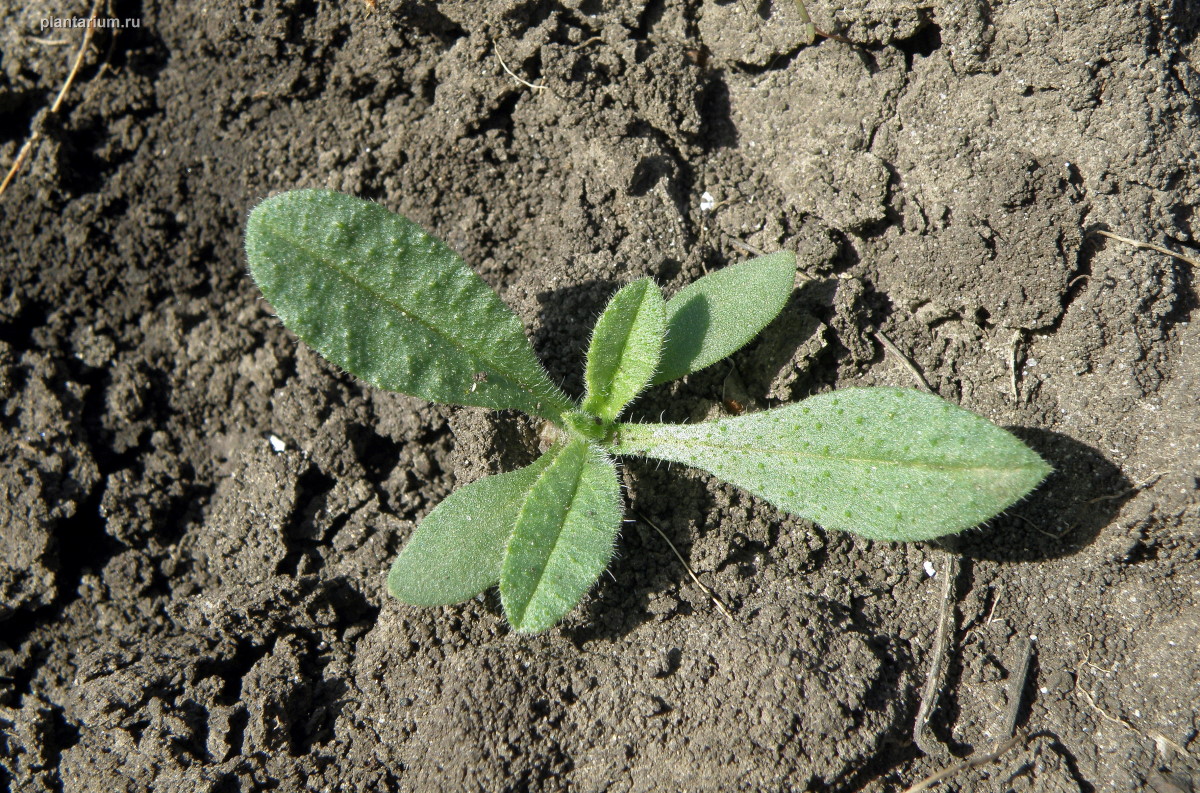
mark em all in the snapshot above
pixel 458 549
pixel 563 539
pixel 713 317
pixel 376 295
pixel 885 463
pixel 625 348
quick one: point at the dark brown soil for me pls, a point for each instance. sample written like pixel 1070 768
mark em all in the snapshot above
pixel 198 514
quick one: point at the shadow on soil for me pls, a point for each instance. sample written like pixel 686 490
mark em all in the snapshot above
pixel 1060 518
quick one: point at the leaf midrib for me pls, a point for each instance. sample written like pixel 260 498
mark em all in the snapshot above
pixel 562 524
pixel 451 340
pixel 620 357
pixel 833 458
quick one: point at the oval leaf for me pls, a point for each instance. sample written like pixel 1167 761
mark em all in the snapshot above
pixel 885 463
pixel 458 549
pixel 715 316
pixel 563 539
pixel 376 295
pixel 625 348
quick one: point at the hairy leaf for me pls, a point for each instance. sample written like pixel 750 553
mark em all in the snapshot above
pixel 713 317
pixel 376 295
pixel 563 539
pixel 458 550
pixel 625 348
pixel 885 463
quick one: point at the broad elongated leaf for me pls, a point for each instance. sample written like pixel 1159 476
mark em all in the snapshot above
pixel 563 539
pixel 713 317
pixel 458 550
pixel 625 348
pixel 885 463
pixel 376 295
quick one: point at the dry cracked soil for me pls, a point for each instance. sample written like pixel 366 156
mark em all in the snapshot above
pixel 197 513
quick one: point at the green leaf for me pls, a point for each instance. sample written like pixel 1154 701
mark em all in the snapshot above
pixel 885 463
pixel 713 317
pixel 625 348
pixel 376 295
pixel 563 539
pixel 458 549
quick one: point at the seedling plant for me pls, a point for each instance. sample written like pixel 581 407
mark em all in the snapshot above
pixel 378 296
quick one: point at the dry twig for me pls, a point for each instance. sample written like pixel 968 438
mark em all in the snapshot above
pixel 713 595
pixel 995 602
pixel 745 246
pixel 1010 723
pixel 1157 737
pixel 937 663
pixel 882 338
pixel 1012 363
pixel 1150 246
pixel 1037 528
pixel 513 74
pixel 1145 483
pixel 973 761
pixel 1016 694
pixel 23 154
